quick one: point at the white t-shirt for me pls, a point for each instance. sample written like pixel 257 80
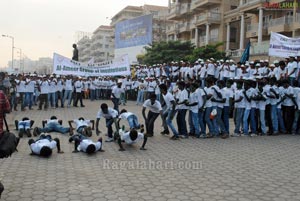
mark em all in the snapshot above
pixel 80 123
pixel 44 86
pixel 111 114
pixel 38 145
pixel 237 96
pixel 86 142
pixel 68 85
pixel 125 115
pixel 126 137
pixel 78 86
pixel 168 98
pixel 155 108
pixel 228 93
pixel 117 91
pixel 194 99
pixel 288 101
pixel 200 93
pixel 290 67
pixel 181 96
pixel 211 69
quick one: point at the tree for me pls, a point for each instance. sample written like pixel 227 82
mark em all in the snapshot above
pixel 164 52
pixel 207 52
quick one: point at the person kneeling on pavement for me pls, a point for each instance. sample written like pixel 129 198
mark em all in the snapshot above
pixel 82 126
pixel 52 125
pixel 131 118
pixel 84 144
pixel 44 145
pixel 24 126
pixel 131 137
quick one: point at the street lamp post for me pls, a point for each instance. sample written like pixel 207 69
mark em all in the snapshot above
pixel 20 51
pixel 12 49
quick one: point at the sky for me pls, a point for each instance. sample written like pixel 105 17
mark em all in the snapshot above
pixel 42 27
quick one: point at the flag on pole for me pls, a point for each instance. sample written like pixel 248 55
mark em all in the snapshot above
pixel 246 53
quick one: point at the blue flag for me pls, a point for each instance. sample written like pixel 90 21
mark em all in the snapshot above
pixel 246 53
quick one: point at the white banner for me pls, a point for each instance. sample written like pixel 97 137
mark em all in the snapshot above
pixel 65 66
pixel 283 46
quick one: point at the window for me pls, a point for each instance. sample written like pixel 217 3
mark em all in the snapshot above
pixel 266 20
pixel 106 46
pixel 233 34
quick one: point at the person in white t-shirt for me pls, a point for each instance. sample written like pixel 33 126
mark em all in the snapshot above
pixel 131 137
pixel 68 86
pixel 131 118
pixel 110 115
pixel 86 145
pixel 116 94
pixel 78 91
pixel 155 109
pixel 24 126
pixel 44 145
pixel 83 126
pixel 239 105
pixel 181 99
pixel 44 89
pixel 52 125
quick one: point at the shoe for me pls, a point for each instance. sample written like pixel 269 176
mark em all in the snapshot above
pixel 36 131
pixel 83 106
pixel 149 134
pixel 21 133
pixel 28 132
pixel 253 135
pixel 174 137
pixel 235 135
pixel 224 136
pixel 165 132
pixel 109 139
pixel 184 136
pixel 1 188
pixel 202 136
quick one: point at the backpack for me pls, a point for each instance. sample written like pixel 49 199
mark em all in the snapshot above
pixel 8 143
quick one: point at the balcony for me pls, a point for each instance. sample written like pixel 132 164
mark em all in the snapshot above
pixel 209 17
pixel 184 27
pixel 212 39
pixel 296 24
pixel 173 29
pixel 178 11
pixel 251 4
pixel 234 53
pixel 282 24
pixel 174 12
pixel 252 30
pixel 202 4
pixel 263 48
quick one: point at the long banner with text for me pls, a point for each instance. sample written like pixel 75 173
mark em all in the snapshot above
pixel 283 46
pixel 65 66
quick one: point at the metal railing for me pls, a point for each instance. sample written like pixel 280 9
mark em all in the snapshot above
pixel 209 16
pixel 281 21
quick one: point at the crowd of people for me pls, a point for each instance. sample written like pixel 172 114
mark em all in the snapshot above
pixel 256 93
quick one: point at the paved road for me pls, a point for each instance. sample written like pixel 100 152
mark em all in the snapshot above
pixel 240 168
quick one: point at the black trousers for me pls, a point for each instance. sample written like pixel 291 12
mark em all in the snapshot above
pixel 151 117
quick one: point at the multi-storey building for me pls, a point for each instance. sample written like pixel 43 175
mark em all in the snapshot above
pixel 159 22
pixel 234 22
pixel 254 20
pixel 98 47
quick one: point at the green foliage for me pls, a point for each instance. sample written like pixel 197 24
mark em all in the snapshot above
pixel 164 52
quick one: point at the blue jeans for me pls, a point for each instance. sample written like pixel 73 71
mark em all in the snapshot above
pixel 181 122
pixel 226 118
pixel 140 97
pixel 109 123
pixel 295 123
pixel 51 99
pixel 93 94
pixel 201 122
pixel 116 103
pixel 97 94
pixel 54 127
pixel 195 121
pixel 274 118
pixel 29 99
pixel 169 118
pixel 238 119
pixel 209 122
pixel 68 97
pixel 262 121
pixel 220 121
pixel 250 112
pixel 133 121
pixel 280 120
